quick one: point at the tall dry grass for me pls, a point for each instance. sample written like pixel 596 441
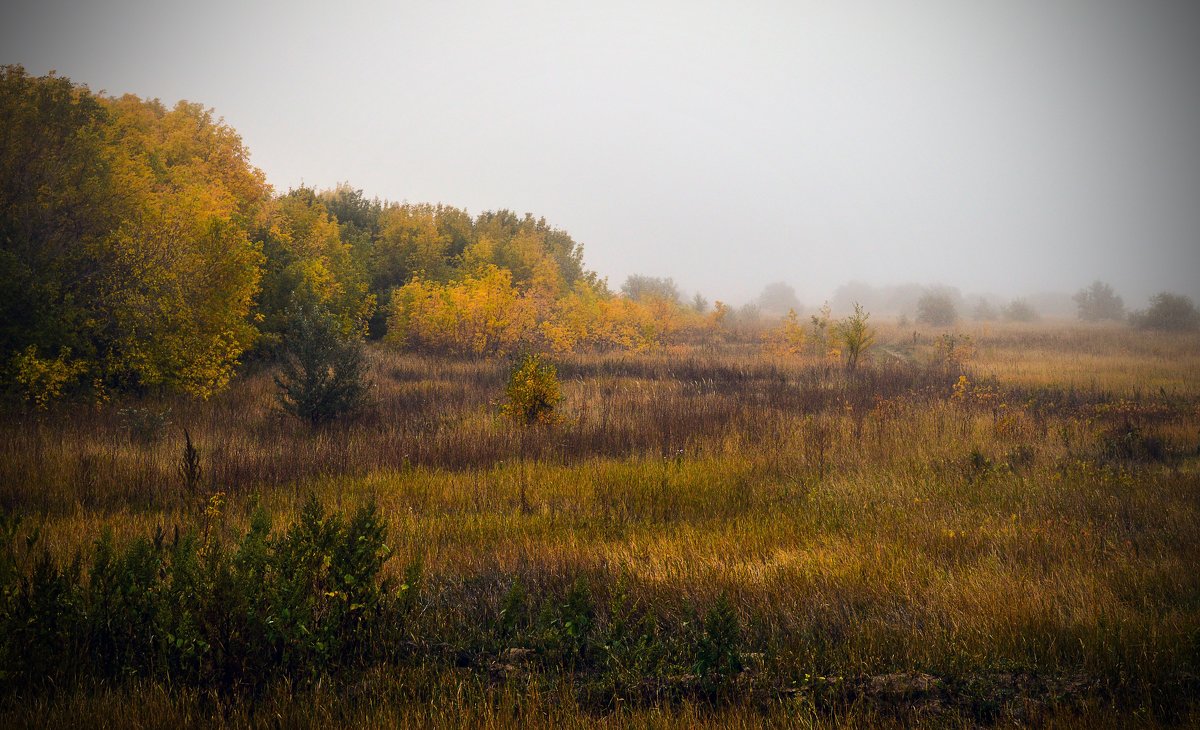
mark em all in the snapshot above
pixel 1024 536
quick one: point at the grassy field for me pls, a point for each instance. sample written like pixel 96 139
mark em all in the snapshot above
pixel 1004 529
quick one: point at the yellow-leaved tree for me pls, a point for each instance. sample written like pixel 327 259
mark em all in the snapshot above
pixel 480 314
pixel 309 266
pixel 176 278
pixel 789 338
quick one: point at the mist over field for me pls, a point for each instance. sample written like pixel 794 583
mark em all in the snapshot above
pixel 555 364
pixel 1015 148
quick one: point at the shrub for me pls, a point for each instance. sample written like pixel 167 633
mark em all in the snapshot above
pixel 323 373
pixel 1098 302
pixel 789 338
pixel 533 392
pixel 853 334
pixel 640 287
pixel 718 656
pixel 1129 442
pixel 567 627
pixel 984 311
pixel 1019 310
pixel 483 314
pixel 953 352
pixel 144 425
pixel 40 381
pixel 1168 312
pixel 936 309
pixel 298 605
pixel 819 325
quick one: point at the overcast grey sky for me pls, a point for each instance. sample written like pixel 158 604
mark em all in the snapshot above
pixel 1012 146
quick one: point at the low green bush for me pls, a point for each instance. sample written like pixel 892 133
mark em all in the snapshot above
pixel 297 605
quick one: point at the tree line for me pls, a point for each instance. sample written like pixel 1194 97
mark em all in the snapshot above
pixel 140 249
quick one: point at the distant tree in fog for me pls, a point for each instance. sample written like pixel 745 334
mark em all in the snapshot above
pixel 1168 312
pixel 984 311
pixel 1098 302
pixel 1019 310
pixel 639 287
pixel 749 313
pixel 889 299
pixel 937 309
pixel 778 298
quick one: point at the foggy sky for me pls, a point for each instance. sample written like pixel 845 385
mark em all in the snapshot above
pixel 1009 146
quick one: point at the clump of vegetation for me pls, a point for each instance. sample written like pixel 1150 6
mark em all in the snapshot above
pixel 854 336
pixel 1099 302
pixel 533 391
pixel 190 469
pixel 819 325
pixel 778 297
pixel 718 656
pixel 323 374
pixel 294 605
pixel 640 287
pixel 144 424
pixel 936 309
pixel 1168 312
pixel 40 381
pixel 1129 441
pixel 953 352
pixel 984 311
pixel 1019 310
pixel 789 339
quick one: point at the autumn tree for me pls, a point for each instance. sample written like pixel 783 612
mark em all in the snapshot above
pixel 640 287
pixel 357 216
pixel 477 315
pixel 308 265
pixel 854 336
pixel 410 243
pixel 56 201
pixel 127 228
pixel 176 277
pixel 984 311
pixel 789 338
pixel 519 242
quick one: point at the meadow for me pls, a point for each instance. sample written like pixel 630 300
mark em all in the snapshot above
pixel 997 525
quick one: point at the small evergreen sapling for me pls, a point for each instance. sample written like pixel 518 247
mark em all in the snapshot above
pixel 323 374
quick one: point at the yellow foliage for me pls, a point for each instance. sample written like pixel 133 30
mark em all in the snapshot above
pixel 719 317
pixel 42 381
pixel 169 287
pixel 789 339
pixel 533 392
pixel 486 314
pixel 410 242
pixel 479 315
pixel 309 265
